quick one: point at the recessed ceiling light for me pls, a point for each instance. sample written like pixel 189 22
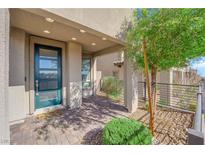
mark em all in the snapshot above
pixel 73 38
pixel 46 31
pixel 49 20
pixel 82 31
pixel 104 38
pixel 93 43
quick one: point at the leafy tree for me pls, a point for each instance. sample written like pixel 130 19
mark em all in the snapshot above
pixel 161 39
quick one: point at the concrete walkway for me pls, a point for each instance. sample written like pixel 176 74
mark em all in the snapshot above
pixel 67 126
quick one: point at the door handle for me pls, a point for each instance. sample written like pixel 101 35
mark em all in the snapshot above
pixel 36 88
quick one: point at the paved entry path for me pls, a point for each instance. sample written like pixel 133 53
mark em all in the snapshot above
pixel 170 125
pixel 68 126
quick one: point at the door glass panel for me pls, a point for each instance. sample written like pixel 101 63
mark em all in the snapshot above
pixel 50 95
pixel 48 63
pixel 48 85
pixel 48 88
pixel 51 74
pixel 85 72
pixel 45 53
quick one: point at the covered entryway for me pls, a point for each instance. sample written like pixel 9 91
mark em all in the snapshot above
pixel 23 31
pixel 53 63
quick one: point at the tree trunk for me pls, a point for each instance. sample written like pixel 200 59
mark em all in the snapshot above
pixel 154 87
pixel 151 121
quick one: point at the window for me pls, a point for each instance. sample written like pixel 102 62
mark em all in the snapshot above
pixel 86 72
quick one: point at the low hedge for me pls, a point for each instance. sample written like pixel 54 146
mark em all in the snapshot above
pixel 124 131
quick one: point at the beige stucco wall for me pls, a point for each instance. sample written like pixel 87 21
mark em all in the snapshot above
pixel 106 66
pixel 74 84
pixel 166 91
pixel 130 86
pixel 16 95
pixel 107 20
pixel 166 76
pixel 96 76
pixel 4 74
pixel 27 74
pixel 121 72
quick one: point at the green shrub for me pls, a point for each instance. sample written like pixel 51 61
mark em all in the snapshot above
pixel 192 107
pixel 112 86
pixel 163 102
pixel 182 104
pixel 147 105
pixel 123 131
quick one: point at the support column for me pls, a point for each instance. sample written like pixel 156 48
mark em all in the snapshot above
pixel 130 86
pixel 96 77
pixel 166 89
pixel 74 60
pixel 4 71
pixel 183 81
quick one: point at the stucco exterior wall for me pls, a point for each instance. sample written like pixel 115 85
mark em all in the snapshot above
pixel 4 71
pixel 166 91
pixel 96 76
pixel 27 73
pixel 16 95
pixel 166 76
pixel 106 66
pixel 107 20
pixel 130 86
pixel 74 84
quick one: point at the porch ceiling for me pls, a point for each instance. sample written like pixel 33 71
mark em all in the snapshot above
pixel 33 22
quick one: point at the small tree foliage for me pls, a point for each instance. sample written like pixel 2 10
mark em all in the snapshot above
pixel 163 39
pixel 174 37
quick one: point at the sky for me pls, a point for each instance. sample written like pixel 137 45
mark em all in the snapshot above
pixel 200 66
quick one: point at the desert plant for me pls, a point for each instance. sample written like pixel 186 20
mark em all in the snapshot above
pixel 192 107
pixel 124 131
pixel 182 104
pixel 163 102
pixel 147 105
pixel 112 86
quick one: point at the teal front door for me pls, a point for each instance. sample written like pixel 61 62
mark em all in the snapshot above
pixel 48 76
